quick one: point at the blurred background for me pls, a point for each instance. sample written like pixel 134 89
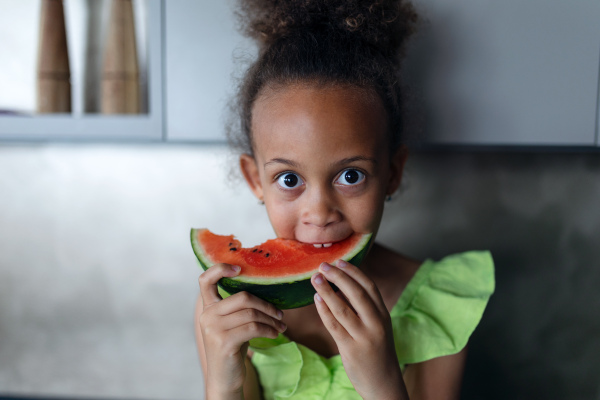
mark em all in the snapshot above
pixel 97 277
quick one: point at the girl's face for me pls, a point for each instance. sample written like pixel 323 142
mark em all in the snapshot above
pixel 321 161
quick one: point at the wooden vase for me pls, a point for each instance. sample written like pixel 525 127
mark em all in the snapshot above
pixel 53 73
pixel 120 73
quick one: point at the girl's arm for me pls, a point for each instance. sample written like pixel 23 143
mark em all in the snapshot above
pixel 251 385
pixel 435 379
pixel 225 328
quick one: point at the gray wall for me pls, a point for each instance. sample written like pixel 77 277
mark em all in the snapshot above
pixel 98 281
pixel 538 214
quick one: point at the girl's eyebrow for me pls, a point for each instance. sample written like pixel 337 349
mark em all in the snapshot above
pixel 350 160
pixel 344 161
pixel 281 161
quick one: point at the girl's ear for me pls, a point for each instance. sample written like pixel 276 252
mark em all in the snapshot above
pixel 250 170
pixel 397 162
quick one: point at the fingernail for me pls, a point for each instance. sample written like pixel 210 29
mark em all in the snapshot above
pixel 282 326
pixel 341 264
pixel 318 297
pixel 236 268
pixel 318 279
pixel 325 267
pixel 279 314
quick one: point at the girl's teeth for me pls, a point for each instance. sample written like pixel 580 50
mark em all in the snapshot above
pixel 317 245
pixel 326 244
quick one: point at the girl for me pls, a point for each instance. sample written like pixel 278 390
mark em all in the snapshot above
pixel 322 148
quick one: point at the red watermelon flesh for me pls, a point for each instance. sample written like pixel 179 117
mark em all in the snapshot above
pixel 272 257
pixel 278 270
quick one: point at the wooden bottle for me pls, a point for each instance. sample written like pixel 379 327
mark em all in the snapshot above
pixel 53 72
pixel 120 74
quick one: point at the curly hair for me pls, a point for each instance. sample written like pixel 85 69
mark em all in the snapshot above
pixel 324 42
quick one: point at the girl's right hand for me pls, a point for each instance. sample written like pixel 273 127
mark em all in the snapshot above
pixel 227 325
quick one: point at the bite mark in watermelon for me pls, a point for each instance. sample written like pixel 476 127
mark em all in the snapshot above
pixel 278 270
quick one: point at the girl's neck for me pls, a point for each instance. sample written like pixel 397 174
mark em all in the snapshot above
pixel 391 272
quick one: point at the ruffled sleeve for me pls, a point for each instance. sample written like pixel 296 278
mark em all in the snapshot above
pixel 280 364
pixel 442 305
pixel 288 370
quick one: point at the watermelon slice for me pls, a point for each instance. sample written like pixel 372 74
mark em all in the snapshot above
pixel 278 270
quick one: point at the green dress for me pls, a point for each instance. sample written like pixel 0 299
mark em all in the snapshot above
pixel 435 316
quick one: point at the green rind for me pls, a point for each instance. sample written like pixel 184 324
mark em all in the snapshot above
pixel 282 295
pixel 285 293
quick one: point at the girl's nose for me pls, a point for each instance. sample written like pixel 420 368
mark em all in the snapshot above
pixel 320 209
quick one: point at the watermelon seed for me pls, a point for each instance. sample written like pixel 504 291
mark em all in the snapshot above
pixel 233 249
pixel 254 251
pixel 260 251
pixel 267 255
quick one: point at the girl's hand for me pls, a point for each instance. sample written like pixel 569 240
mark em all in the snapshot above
pixel 226 326
pixel 359 322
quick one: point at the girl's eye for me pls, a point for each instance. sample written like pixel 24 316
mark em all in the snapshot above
pixel 351 177
pixel 289 181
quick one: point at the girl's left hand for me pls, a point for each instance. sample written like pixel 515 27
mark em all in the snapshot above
pixel 362 330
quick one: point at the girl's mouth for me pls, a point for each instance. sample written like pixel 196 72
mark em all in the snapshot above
pixel 325 241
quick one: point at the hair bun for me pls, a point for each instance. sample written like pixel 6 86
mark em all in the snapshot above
pixel 384 24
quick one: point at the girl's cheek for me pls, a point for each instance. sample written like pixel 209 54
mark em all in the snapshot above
pixel 352 191
pixel 369 214
pixel 283 217
pixel 287 195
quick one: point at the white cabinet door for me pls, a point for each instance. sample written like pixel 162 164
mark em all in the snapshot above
pixel 201 42
pixel 79 126
pixel 511 72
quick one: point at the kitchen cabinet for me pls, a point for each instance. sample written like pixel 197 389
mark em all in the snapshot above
pixel 204 53
pixel 486 73
pixel 483 73
pixel 508 72
pixel 81 126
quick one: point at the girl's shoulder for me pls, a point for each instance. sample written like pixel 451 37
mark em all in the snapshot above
pixel 399 277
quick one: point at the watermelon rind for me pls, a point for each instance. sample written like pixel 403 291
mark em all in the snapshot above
pixel 291 291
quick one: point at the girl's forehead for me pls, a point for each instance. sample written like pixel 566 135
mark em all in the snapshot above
pixel 308 118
